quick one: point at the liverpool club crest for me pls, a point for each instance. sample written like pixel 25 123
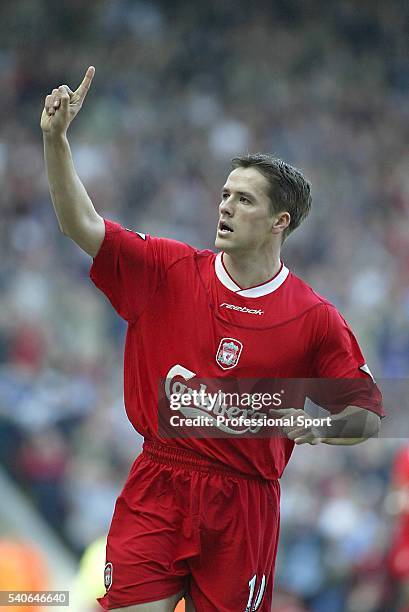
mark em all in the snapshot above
pixel 108 576
pixel 228 353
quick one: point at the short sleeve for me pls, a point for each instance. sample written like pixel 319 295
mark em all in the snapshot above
pixel 339 355
pixel 129 267
pixel 340 364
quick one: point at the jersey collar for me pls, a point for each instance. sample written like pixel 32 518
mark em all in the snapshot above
pixel 252 292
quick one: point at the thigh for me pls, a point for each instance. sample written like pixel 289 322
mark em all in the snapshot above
pixel 238 548
pixel 165 605
pixel 144 553
pixel 189 605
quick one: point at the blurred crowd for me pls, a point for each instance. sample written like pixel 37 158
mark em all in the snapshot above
pixel 180 88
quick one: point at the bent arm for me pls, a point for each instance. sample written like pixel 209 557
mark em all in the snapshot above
pixel 77 217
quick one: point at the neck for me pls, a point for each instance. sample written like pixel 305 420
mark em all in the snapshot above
pixel 253 269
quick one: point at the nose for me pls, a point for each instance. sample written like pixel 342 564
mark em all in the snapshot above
pixel 226 207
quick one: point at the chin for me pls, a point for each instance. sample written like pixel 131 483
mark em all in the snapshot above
pixel 223 245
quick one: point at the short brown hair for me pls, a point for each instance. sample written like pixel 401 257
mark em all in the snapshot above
pixel 289 190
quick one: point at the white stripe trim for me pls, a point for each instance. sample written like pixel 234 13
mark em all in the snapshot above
pixel 222 275
pixel 253 292
pixel 366 369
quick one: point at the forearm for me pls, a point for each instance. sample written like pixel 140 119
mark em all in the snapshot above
pixel 351 426
pixel 343 441
pixel 71 202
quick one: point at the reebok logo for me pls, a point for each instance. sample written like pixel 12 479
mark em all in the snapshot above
pixel 242 309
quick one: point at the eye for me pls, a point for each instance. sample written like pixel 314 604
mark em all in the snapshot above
pixel 225 195
pixel 245 200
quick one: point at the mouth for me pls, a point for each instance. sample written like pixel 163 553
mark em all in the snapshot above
pixel 224 228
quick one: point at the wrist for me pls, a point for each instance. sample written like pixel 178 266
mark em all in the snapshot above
pixel 55 139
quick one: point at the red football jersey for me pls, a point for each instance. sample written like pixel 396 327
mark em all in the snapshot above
pixel 188 318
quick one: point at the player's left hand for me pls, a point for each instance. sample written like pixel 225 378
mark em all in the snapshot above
pixel 301 434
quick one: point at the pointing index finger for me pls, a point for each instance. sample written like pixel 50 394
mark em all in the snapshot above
pixel 82 89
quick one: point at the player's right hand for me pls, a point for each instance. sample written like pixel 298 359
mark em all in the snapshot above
pixel 62 105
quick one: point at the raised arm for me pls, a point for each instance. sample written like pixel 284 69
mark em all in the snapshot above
pixel 77 217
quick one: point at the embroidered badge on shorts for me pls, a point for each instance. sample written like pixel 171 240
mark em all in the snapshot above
pixel 108 576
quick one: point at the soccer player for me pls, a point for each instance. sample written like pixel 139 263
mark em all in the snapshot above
pixel 198 516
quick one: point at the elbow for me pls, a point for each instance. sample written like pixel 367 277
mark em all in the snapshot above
pixel 373 426
pixel 64 230
pixel 61 227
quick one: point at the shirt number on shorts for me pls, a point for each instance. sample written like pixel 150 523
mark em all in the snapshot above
pixel 251 607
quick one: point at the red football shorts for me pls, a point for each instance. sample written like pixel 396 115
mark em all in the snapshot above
pixel 186 523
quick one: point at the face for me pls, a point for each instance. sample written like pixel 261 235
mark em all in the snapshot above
pixel 245 219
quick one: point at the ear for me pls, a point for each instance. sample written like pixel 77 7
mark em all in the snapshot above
pixel 281 222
